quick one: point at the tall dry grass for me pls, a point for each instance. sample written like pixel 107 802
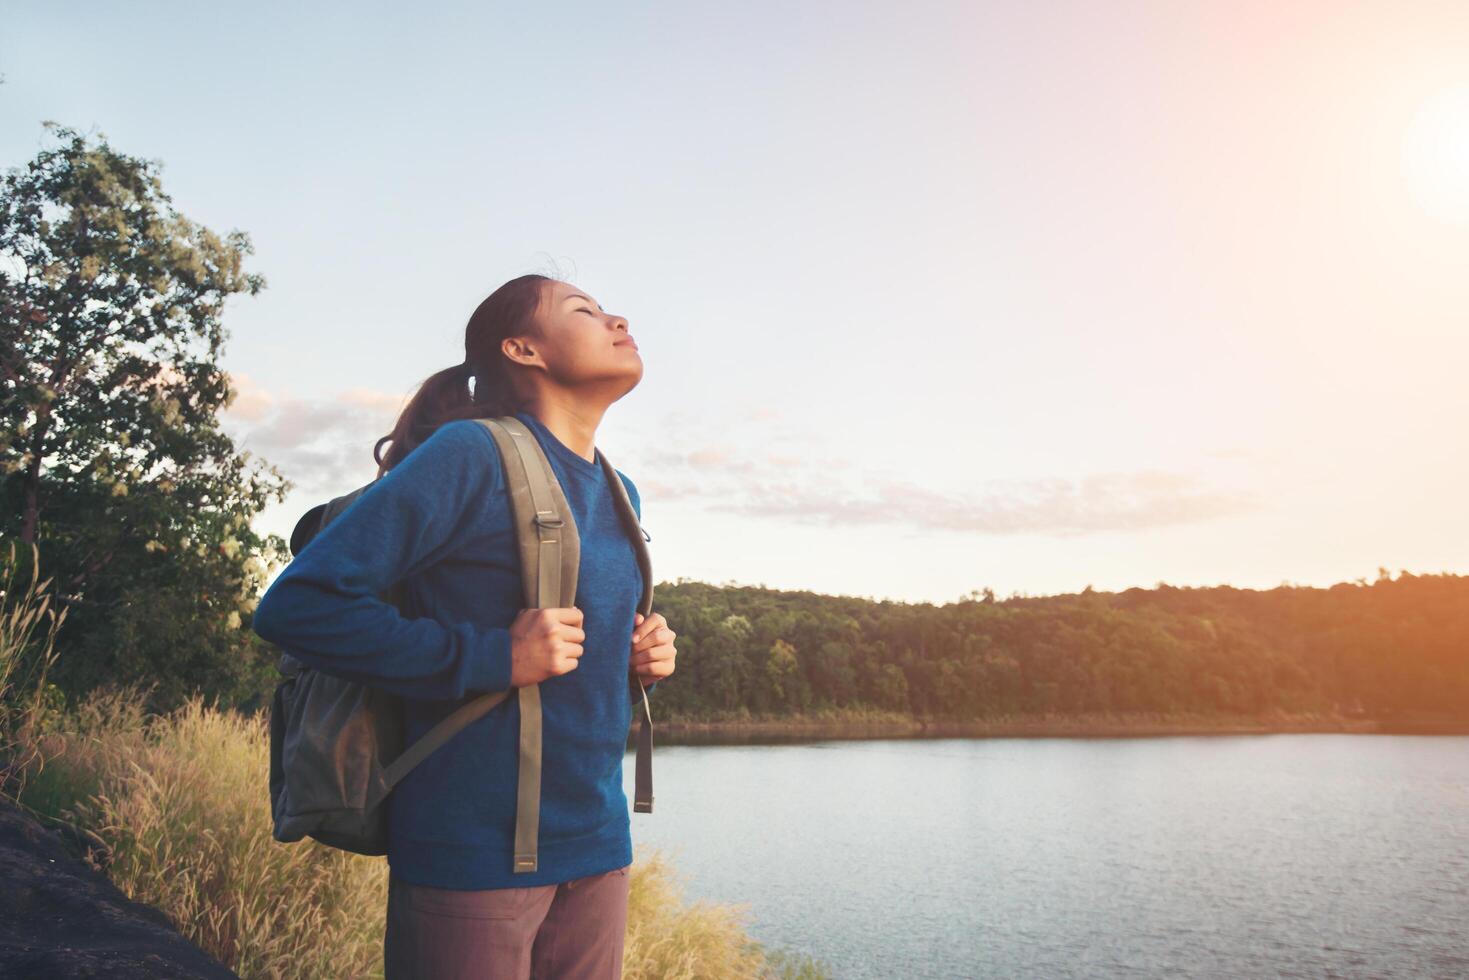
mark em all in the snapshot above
pixel 25 659
pixel 181 802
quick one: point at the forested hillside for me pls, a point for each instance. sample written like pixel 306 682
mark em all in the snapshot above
pixel 1393 648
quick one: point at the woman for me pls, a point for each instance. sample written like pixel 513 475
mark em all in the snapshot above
pixel 439 519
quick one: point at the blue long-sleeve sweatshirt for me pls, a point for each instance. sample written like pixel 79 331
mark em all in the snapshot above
pixel 441 520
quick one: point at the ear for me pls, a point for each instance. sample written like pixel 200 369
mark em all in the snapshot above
pixel 517 350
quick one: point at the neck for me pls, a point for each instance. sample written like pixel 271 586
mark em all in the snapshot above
pixel 573 422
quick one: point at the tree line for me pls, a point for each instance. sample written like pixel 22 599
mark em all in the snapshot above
pixel 1398 646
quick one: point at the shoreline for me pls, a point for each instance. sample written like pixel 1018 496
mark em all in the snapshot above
pixel 676 731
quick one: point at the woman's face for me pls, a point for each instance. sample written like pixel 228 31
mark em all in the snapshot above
pixel 580 344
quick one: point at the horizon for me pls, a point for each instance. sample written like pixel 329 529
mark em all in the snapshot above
pixel 1361 581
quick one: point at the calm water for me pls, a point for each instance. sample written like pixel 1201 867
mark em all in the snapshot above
pixel 1214 856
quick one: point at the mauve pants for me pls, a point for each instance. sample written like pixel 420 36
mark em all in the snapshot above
pixel 568 931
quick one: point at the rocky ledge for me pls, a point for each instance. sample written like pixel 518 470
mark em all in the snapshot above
pixel 61 918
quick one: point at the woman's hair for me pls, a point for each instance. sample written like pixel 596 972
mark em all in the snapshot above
pixel 508 311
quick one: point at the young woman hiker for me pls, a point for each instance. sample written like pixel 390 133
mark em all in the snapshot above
pixel 439 518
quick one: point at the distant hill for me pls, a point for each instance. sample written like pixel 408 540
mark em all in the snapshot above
pixel 1396 648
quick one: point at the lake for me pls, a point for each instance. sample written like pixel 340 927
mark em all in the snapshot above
pixel 1296 855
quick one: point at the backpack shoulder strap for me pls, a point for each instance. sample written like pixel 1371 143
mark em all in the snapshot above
pixel 550 554
pixel 634 530
pixel 643 780
pixel 549 559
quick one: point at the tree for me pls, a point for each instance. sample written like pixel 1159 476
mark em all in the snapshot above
pixel 783 685
pixel 831 675
pixel 111 453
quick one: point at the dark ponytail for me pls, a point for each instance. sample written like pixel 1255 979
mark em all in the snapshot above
pixel 478 387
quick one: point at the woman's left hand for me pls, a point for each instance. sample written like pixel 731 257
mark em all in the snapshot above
pixel 652 647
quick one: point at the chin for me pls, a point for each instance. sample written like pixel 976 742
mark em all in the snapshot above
pixel 633 377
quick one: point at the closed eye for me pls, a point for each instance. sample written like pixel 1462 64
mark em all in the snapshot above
pixel 583 309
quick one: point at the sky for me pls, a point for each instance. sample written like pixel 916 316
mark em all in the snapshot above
pixel 931 297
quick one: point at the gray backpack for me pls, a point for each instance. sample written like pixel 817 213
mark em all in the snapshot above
pixel 336 746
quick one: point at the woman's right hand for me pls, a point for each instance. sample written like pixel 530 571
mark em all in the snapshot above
pixel 544 643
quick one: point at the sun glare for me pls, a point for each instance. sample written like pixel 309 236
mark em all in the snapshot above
pixel 1436 155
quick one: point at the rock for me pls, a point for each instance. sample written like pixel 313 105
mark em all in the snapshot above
pixel 60 918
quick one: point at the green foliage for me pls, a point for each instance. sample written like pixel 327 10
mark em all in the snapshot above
pixel 111 453
pixel 1394 648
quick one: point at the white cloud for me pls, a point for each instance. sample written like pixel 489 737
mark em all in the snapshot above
pixel 323 445
pixel 813 489
pixel 252 402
